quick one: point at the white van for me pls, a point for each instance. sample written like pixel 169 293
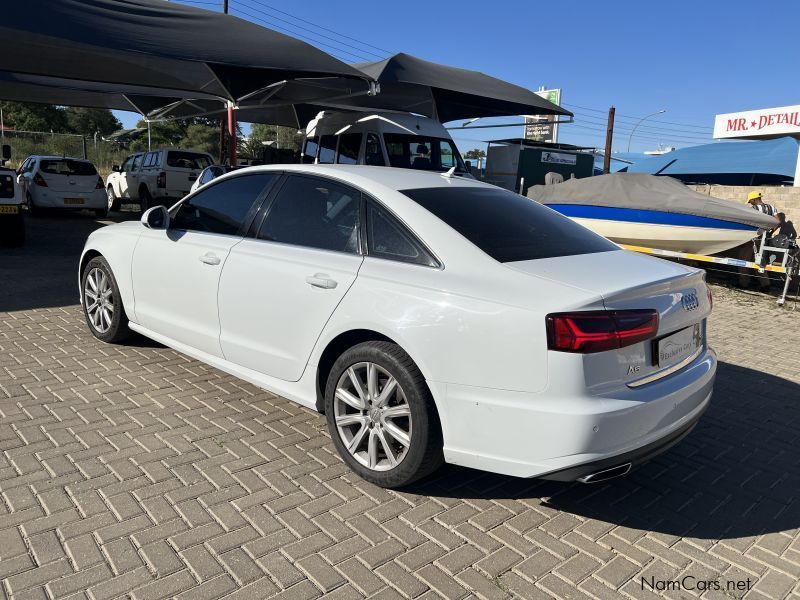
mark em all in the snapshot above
pixel 386 139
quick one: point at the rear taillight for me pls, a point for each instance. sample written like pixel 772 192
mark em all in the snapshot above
pixel 596 331
pixel 161 180
pixel 39 180
pixel 99 185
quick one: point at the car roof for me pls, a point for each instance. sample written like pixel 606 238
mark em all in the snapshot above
pixel 391 177
pixel 59 157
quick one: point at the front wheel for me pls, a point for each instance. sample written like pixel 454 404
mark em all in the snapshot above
pixel 102 302
pixel 381 415
pixel 113 201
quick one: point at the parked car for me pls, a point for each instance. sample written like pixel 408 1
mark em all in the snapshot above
pixel 429 317
pixel 383 139
pixel 12 221
pixel 158 177
pixel 61 182
pixel 211 173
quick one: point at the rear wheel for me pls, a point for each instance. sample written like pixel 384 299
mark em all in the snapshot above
pixel 33 210
pixel 145 199
pixel 102 302
pixel 101 213
pixel 113 201
pixel 381 415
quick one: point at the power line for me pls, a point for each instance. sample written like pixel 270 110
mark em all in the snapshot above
pixel 258 6
pixel 597 110
pixel 335 51
pixel 656 128
pixel 336 33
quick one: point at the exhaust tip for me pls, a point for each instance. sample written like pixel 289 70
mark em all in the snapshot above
pixel 606 474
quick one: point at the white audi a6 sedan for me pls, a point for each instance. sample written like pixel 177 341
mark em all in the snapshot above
pixel 431 318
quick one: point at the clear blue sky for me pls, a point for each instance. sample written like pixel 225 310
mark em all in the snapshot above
pixel 692 58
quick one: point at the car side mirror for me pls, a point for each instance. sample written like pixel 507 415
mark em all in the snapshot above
pixel 6 152
pixel 116 168
pixel 156 218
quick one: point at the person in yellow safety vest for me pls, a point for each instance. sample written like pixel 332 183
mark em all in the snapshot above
pixel 754 199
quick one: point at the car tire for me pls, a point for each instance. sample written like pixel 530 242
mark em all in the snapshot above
pixel 403 421
pixel 101 213
pixel 108 322
pixel 145 199
pixel 33 210
pixel 113 202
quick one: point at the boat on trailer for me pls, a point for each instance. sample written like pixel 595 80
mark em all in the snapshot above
pixel 654 212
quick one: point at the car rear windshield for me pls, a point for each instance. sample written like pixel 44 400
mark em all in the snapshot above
pixel 507 226
pixel 66 166
pixel 187 160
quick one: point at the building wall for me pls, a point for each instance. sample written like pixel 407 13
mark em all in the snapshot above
pixel 785 199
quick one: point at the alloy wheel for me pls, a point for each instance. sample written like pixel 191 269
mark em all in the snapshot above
pixel 98 298
pixel 110 198
pixel 372 416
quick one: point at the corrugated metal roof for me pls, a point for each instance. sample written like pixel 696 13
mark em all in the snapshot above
pixel 735 163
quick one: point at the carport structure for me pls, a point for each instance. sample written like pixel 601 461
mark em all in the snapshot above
pixel 148 55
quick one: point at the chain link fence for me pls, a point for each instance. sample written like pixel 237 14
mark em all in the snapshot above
pixel 101 153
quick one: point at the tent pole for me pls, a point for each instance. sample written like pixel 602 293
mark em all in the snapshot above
pixel 797 170
pixel 148 135
pixel 231 135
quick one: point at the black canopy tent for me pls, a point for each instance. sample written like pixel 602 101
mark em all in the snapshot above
pixel 448 93
pixel 104 52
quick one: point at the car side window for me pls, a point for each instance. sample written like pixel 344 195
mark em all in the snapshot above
pixel 349 146
pixel 127 164
pixel 373 154
pixel 137 162
pixel 222 208
pixel 388 238
pixel 316 213
pixel 310 150
pixel 327 149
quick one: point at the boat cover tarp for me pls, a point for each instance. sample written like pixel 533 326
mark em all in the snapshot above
pixel 149 47
pixel 647 192
pixel 734 163
pixel 447 93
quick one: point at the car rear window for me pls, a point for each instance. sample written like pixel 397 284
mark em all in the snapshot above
pixel 507 226
pixel 65 166
pixel 187 160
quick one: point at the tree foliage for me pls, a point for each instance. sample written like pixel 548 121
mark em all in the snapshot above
pixel 474 154
pixel 88 121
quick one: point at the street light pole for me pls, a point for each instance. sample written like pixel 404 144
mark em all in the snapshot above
pixel 658 112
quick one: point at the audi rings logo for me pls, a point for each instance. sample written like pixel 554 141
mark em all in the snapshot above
pixel 690 301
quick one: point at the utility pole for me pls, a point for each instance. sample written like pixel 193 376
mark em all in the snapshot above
pixel 223 125
pixel 609 138
pixel 225 6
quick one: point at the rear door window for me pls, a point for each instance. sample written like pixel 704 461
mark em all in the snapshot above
pixel 327 149
pixel 388 238
pixel 349 147
pixel 66 166
pixel 180 159
pixel 222 208
pixel 506 226
pixel 314 212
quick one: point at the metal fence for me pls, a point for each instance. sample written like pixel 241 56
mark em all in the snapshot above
pixel 26 143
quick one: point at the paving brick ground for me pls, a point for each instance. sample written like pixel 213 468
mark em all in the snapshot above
pixel 133 471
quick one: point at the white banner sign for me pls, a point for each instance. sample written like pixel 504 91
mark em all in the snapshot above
pixel 559 158
pixel 754 124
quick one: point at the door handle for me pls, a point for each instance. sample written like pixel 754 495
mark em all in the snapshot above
pixel 210 259
pixel 321 280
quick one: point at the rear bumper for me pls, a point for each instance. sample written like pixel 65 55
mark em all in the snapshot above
pixel 52 199
pixel 563 433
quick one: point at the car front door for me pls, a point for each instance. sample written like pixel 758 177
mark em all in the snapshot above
pixel 176 271
pixel 280 287
pixel 129 180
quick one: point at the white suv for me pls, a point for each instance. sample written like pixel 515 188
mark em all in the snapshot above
pixel 161 176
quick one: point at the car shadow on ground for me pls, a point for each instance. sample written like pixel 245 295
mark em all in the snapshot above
pixel 736 475
pixel 44 272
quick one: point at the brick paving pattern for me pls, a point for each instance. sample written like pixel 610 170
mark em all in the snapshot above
pixel 134 471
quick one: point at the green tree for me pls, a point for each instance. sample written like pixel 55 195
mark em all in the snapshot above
pixel 34 117
pixel 204 138
pixel 474 154
pixel 88 121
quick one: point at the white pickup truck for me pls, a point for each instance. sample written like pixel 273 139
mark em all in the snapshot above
pixel 161 176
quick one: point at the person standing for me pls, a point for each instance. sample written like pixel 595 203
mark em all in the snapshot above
pixel 755 200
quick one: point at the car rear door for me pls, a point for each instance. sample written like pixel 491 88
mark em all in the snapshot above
pixel 176 271
pixel 280 286
pixel 129 177
pixel 182 169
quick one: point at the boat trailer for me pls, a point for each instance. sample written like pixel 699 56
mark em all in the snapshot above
pixel 765 260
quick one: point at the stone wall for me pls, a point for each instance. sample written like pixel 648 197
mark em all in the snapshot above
pixel 786 199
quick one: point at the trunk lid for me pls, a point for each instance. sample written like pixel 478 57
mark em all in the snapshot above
pixel 627 280
pixel 68 176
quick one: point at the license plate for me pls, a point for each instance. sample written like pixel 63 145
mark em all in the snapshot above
pixel 9 210
pixel 678 346
pixel 73 200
